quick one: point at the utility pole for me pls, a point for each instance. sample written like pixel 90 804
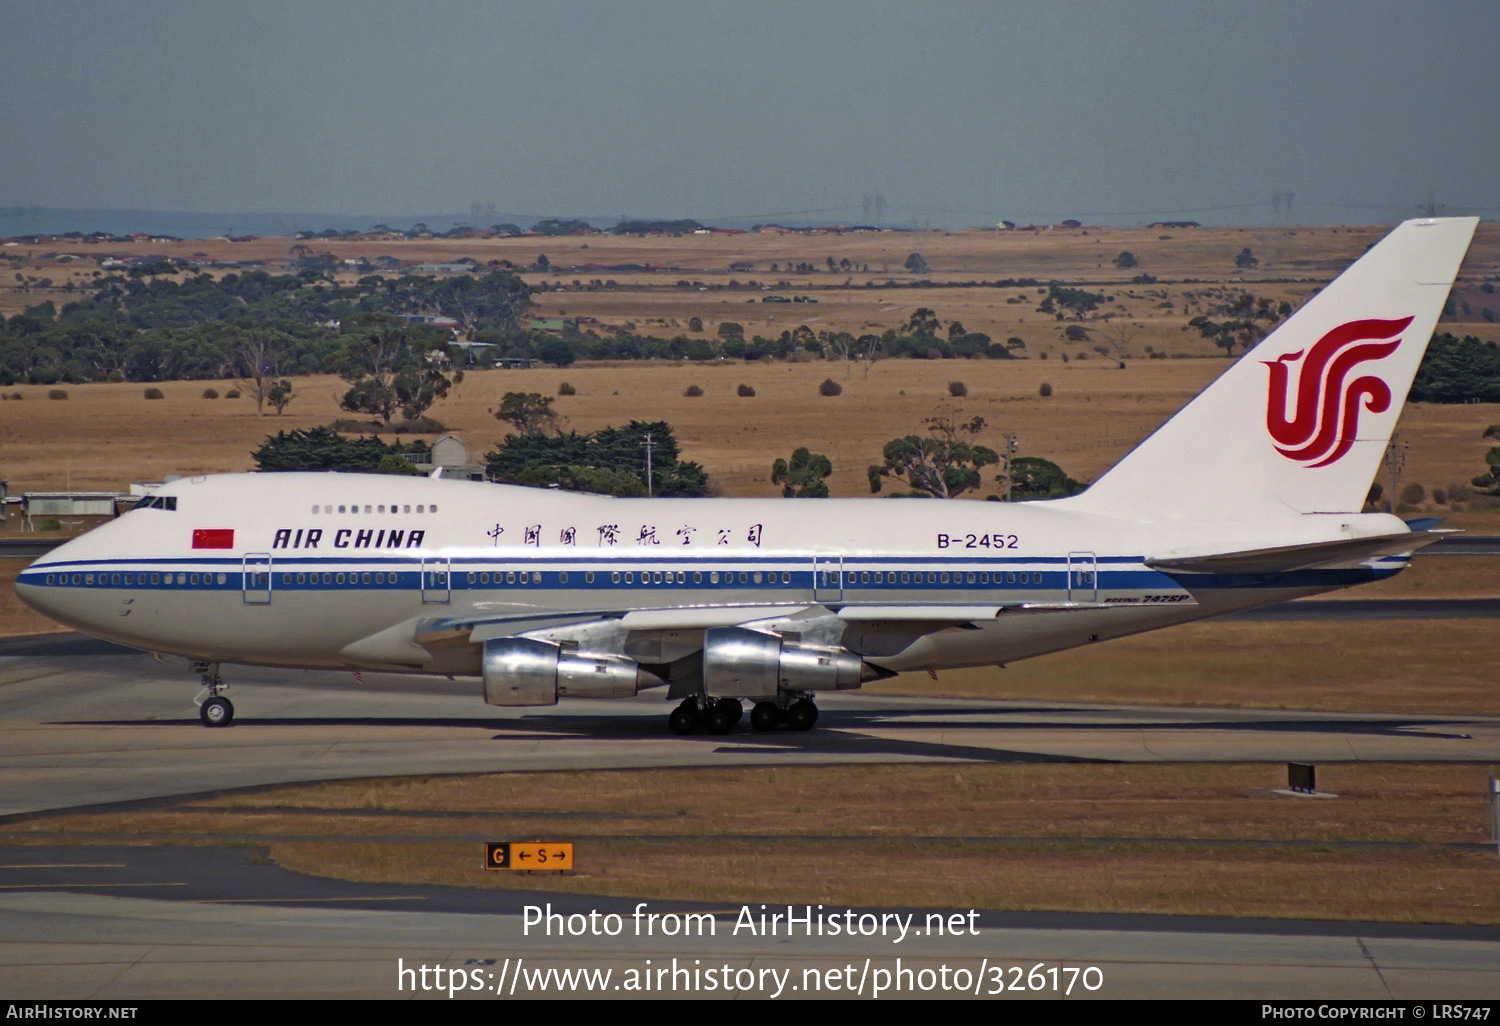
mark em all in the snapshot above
pixel 649 444
pixel 1394 460
pixel 1010 455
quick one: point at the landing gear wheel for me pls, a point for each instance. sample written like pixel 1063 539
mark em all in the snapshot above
pixel 801 715
pixel 721 718
pixel 765 716
pixel 684 719
pixel 216 712
pixel 722 715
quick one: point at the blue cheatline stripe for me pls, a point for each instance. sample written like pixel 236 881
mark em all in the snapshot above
pixel 801 579
pixel 676 562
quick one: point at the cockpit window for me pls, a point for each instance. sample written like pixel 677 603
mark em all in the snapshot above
pixel 166 502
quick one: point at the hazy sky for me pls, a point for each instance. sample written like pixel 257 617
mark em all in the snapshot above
pixel 964 113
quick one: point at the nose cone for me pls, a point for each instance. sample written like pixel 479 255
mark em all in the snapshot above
pixel 48 586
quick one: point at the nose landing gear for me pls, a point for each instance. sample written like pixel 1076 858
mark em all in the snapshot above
pixel 213 708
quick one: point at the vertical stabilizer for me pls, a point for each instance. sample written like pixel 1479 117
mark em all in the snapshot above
pixel 1300 423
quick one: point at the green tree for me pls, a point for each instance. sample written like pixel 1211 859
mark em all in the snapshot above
pixel 322 448
pixel 1457 370
pixel 1246 259
pixel 392 368
pixel 279 395
pixel 1125 260
pixel 530 413
pixel 943 464
pixel 1035 478
pixel 611 461
pixel 804 476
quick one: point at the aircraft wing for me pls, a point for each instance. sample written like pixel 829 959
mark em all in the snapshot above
pixel 677 629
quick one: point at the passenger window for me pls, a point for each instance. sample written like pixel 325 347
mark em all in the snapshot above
pixel 562 578
pixel 614 577
pixel 365 578
pixel 588 578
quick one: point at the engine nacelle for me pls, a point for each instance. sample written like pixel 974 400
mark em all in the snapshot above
pixel 741 663
pixel 521 671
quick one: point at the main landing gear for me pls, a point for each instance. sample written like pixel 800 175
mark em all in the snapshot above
pixel 214 710
pixel 719 715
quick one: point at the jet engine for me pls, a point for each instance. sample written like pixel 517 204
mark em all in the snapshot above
pixel 521 671
pixel 741 663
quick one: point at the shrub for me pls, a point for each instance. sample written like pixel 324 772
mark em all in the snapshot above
pixel 692 391
pixel 1440 497
pixel 57 393
pixel 1413 494
pixel 210 393
pixel 1045 390
pixel 154 393
pixel 420 426
pixel 744 391
pixel 830 387
pixel 17 395
pixel 51 524
pixel 957 389
pixel 233 393
pixel 566 389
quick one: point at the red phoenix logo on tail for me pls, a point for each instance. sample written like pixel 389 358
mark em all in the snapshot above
pixel 1324 417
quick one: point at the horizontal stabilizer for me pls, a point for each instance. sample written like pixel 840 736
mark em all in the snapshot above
pixel 1295 557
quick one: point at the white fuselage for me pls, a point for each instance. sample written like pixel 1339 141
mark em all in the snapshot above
pixel 335 570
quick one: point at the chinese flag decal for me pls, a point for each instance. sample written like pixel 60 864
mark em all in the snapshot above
pixel 213 538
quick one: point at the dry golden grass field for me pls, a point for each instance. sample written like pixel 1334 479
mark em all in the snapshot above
pixel 106 435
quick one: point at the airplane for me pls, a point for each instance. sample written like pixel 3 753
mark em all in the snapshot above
pixel 1250 495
